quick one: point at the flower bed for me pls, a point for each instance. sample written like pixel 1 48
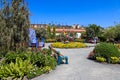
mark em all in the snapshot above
pixel 68 45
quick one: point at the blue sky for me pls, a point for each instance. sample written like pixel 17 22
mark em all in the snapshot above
pixel 101 12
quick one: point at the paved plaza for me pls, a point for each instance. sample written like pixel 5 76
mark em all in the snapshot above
pixel 81 68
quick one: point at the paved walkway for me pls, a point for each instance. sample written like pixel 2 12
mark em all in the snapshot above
pixel 81 68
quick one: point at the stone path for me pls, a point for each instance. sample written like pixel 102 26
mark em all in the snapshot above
pixel 81 68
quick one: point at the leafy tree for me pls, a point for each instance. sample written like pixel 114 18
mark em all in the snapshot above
pixel 14 24
pixel 54 32
pixel 41 33
pixel 20 20
pixel 110 32
pixel 117 30
pixel 83 35
pixel 89 33
pixel 49 31
pixel 113 32
pixel 93 30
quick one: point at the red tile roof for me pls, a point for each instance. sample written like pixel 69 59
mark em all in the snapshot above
pixel 69 30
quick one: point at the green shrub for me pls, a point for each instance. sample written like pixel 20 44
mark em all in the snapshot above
pixel 41 60
pixel 16 64
pixel 50 61
pixel 106 50
pixel 2 53
pixel 43 64
pixel 37 59
pixel 46 69
pixel 10 57
pixel 21 49
pixel 38 72
pixel 79 40
pixel 34 73
pixel 117 45
pixel 46 51
pixel 16 70
pixel 23 56
pixel 50 40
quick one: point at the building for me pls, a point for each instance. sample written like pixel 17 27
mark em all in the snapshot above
pixel 38 25
pixel 62 28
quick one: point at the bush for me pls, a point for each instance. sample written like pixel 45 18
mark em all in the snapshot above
pixel 23 55
pixel 38 72
pixel 10 57
pixel 117 45
pixel 106 50
pixel 50 61
pixel 37 59
pixel 41 62
pixel 2 53
pixel 115 60
pixel 100 59
pixel 15 70
pixel 79 40
pixel 50 40
pixel 46 51
pixel 68 45
pixel 35 73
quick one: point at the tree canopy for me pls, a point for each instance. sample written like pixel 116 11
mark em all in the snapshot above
pixel 93 30
pixel 14 23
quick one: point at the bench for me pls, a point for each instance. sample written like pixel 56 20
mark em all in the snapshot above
pixel 59 57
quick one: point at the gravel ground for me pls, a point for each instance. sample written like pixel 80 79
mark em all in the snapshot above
pixel 81 68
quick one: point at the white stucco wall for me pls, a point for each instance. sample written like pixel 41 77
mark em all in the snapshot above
pixel 78 35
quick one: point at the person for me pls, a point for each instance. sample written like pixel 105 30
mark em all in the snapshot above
pixel 42 43
pixel 38 46
pixel 95 39
pixel 59 55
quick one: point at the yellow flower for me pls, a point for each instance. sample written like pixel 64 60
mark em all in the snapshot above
pixel 69 45
pixel 100 59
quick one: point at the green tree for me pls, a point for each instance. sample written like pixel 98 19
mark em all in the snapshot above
pixel 49 31
pixel 54 32
pixel 93 30
pixel 14 23
pixel 117 30
pixel 83 35
pixel 113 32
pixel 110 32
pixel 41 33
